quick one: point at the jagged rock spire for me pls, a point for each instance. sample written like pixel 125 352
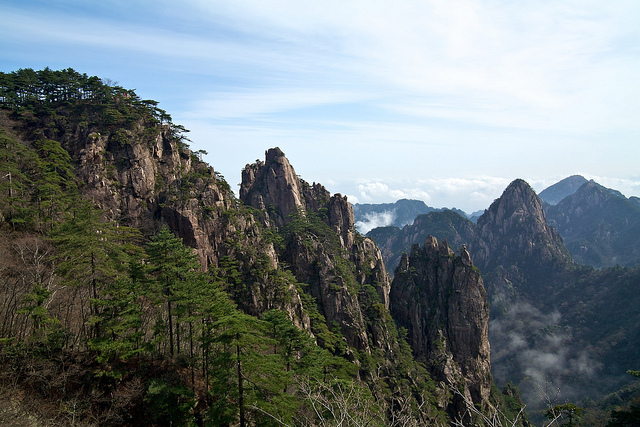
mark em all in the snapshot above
pixel 440 298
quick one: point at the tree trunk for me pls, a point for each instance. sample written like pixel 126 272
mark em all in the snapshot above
pixel 240 388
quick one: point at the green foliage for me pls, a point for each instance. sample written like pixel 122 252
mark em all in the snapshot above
pixel 126 310
pixel 172 266
pixel 169 403
pixel 568 411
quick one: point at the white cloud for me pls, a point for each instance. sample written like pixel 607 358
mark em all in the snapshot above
pixel 374 220
pixel 244 104
pixel 463 193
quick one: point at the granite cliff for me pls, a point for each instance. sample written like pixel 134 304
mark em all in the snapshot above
pixel 440 298
pixel 320 245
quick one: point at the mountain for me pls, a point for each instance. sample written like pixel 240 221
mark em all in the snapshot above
pixel 553 323
pixel 398 214
pixel 514 232
pixel 558 191
pixel 402 212
pixel 136 289
pixel 434 293
pixel 445 224
pixel 600 226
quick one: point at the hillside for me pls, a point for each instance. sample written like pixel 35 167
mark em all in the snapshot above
pixel 137 290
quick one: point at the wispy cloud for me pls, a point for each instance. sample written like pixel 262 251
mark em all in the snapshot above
pixel 249 104
pixel 362 92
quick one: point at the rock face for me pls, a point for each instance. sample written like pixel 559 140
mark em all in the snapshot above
pixel 514 231
pixel 445 223
pixel 440 298
pixel 146 182
pixel 321 249
pixel 140 182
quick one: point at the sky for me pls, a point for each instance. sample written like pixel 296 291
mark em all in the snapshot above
pixel 441 101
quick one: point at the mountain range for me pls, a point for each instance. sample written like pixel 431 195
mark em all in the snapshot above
pixel 554 321
pixel 136 289
pixel 599 225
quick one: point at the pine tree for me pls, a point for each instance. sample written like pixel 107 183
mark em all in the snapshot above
pixel 171 265
pixel 91 254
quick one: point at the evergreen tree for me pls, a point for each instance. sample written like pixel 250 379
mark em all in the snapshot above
pixel 91 254
pixel 171 265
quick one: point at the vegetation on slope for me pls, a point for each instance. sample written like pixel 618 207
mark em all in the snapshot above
pixel 105 324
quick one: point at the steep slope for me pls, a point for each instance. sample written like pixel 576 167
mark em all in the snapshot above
pixel 600 226
pixel 514 233
pixel 558 191
pixel 553 321
pixel 440 298
pixel 335 268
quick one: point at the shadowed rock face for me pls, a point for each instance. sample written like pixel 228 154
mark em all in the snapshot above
pixel 440 298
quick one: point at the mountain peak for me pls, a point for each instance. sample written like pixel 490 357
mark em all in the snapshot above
pixel 272 186
pixel 516 224
pixel 558 191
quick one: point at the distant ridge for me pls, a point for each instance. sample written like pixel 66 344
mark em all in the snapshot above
pixel 558 191
pixel 599 225
pixel 403 212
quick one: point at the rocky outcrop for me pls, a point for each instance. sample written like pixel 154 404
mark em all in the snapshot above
pixel 439 297
pixel 446 223
pixel 148 181
pixel 320 244
pixel 142 182
pixel 272 187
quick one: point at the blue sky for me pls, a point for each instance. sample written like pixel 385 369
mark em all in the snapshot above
pixel 443 101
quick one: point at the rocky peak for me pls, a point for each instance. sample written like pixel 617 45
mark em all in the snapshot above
pixel 273 187
pixel 514 230
pixel 439 297
pixel 321 249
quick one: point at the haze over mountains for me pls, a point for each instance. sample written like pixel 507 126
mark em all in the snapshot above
pixel 599 226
